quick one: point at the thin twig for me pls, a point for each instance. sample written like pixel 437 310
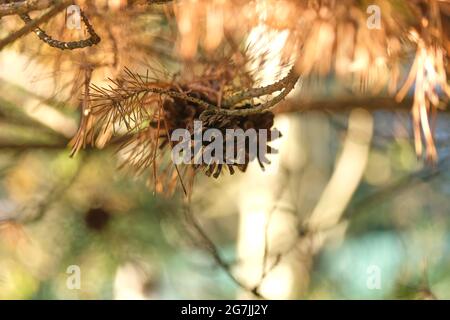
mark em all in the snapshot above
pixel 214 251
pixel 265 270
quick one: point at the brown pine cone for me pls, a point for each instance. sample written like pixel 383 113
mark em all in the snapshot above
pixel 224 122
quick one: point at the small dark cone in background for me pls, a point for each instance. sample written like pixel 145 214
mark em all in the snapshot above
pixel 97 219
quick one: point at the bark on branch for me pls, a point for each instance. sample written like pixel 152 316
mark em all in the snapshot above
pixel 35 23
pixel 25 6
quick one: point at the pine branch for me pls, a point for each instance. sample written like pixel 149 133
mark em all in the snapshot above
pixel 25 6
pixel 290 79
pixel 287 85
pixel 35 23
pixel 62 45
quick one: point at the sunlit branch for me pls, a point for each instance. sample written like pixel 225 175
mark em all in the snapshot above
pixel 287 81
pixel 21 7
pixel 35 23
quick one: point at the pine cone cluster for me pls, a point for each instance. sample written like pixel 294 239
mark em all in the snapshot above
pixel 258 122
pixel 179 113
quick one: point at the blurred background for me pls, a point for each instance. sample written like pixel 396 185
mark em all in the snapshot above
pixel 346 210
